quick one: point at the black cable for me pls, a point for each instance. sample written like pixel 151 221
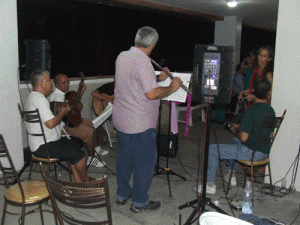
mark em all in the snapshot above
pixel 294 165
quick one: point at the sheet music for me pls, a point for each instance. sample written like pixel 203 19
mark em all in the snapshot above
pixel 180 94
pixel 103 116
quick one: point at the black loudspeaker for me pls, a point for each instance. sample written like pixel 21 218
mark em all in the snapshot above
pixel 166 148
pixel 213 73
pixel 37 56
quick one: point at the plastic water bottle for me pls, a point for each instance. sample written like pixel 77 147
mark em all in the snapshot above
pixel 247 202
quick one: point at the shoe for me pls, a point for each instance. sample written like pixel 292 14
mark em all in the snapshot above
pixel 152 206
pixel 233 182
pixel 124 201
pixel 210 189
pixel 101 151
pixel 95 162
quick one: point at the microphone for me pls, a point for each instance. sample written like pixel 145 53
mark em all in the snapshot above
pixel 170 75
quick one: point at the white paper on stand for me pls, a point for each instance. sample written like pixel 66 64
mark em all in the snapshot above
pixel 103 116
pixel 180 94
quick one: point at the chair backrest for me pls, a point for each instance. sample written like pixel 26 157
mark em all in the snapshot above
pixel 34 118
pixel 87 194
pixel 272 123
pixel 9 172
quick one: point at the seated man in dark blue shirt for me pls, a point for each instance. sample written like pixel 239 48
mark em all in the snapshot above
pixel 241 147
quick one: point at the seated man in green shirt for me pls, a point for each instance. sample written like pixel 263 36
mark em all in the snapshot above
pixel 241 147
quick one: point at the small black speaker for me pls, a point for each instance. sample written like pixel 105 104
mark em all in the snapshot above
pixel 37 56
pixel 165 148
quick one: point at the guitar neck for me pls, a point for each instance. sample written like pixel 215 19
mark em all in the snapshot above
pixel 78 96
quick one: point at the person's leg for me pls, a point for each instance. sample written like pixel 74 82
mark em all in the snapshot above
pixel 235 150
pixel 85 132
pixel 220 151
pixel 80 168
pixel 68 150
pixel 145 156
pixel 124 165
pixel 76 176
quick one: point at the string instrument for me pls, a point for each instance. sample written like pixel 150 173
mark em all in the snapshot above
pixel 99 106
pixel 73 118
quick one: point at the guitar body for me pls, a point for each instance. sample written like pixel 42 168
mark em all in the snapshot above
pixel 99 106
pixel 73 118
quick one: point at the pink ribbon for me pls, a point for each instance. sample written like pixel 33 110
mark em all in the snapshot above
pixel 174 123
pixel 187 120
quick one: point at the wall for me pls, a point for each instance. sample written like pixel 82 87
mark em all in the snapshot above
pixel 286 89
pixel 10 122
pixel 229 33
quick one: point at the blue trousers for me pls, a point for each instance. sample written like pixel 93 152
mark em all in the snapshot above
pixel 137 154
pixel 234 150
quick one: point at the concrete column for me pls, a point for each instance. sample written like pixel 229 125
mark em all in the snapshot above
pixel 10 122
pixel 286 90
pixel 229 33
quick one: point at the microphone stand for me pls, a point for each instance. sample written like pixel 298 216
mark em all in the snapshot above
pixel 203 200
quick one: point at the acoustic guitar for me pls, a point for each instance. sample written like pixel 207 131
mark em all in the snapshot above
pixel 73 118
pixel 99 106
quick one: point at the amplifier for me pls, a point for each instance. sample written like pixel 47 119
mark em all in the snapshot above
pixel 165 148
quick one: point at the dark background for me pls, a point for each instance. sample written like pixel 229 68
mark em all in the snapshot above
pixel 88 37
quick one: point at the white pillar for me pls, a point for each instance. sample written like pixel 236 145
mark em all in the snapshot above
pixel 10 122
pixel 286 90
pixel 229 33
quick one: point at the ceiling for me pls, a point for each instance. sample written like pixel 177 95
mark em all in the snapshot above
pixel 257 13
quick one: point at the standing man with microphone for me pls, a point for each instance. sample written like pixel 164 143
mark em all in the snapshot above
pixel 135 115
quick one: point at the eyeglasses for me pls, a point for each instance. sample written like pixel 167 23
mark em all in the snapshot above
pixel 66 82
pixel 48 80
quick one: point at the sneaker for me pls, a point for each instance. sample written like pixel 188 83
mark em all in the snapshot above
pixel 124 201
pixel 152 206
pixel 233 182
pixel 101 151
pixel 210 189
pixel 95 162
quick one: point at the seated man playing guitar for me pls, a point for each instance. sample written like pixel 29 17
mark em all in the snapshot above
pixel 57 147
pixel 84 130
pixel 102 96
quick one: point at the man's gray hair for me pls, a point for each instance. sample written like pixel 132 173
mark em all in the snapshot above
pixel 36 75
pixel 145 37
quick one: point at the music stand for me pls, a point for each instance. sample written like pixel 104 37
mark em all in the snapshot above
pixel 203 200
pixel 96 123
pixel 159 170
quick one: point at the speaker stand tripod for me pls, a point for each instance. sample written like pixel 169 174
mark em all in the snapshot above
pixel 159 170
pixel 203 200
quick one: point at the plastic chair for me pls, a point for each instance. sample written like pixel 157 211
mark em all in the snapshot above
pixel 22 194
pixel 269 122
pixel 34 117
pixel 94 194
pixel 214 218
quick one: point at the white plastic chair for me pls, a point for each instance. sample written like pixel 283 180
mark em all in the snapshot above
pixel 213 218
